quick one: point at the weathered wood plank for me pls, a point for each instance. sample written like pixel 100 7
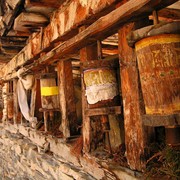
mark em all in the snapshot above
pixel 12 3
pixel 9 41
pixel 113 63
pixel 30 22
pixel 161 28
pixel 63 22
pixel 87 53
pixel 72 17
pixel 1 7
pixel 101 29
pixel 169 14
pixel 9 22
pixel 134 132
pixel 33 99
pixel 103 111
pixel 161 120
pixel 105 26
pixel 66 98
pixel 15 101
pixel 43 3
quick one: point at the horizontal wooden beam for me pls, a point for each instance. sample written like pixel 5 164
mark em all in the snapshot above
pixel 4 58
pixel 30 22
pixel 9 41
pixel 64 24
pixel 161 120
pixel 161 28
pixel 103 111
pixel 44 3
pixel 102 28
pixel 172 14
pixel 106 26
pixel 9 21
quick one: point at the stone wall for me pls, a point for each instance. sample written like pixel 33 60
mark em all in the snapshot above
pixel 28 154
pixel 20 159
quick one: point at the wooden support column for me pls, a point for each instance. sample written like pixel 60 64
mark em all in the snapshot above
pixel 66 97
pixel 15 101
pixel 33 98
pixel 134 131
pixel 87 53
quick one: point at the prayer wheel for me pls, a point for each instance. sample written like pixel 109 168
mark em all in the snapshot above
pixel 101 85
pixel 49 92
pixel 101 88
pixel 159 67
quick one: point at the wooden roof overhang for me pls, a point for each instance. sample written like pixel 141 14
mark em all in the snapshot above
pixel 60 38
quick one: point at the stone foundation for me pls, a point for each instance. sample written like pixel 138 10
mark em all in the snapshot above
pixel 27 154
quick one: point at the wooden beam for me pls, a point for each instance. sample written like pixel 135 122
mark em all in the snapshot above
pixel 12 3
pixel 12 15
pixel 102 28
pixel 87 53
pixel 43 3
pixel 66 98
pixel 13 41
pixel 161 120
pixel 170 14
pixel 4 58
pixel 30 22
pixel 33 98
pixel 44 7
pixel 75 14
pixel 15 102
pixel 2 7
pixel 134 132
pixel 106 26
pixel 103 111
pixel 161 28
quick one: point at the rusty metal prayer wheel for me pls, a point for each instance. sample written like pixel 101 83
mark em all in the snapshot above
pixel 159 67
pixel 101 85
pixel 101 88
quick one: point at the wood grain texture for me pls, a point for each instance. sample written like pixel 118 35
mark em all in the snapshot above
pixel 102 28
pixel 134 132
pixel 66 98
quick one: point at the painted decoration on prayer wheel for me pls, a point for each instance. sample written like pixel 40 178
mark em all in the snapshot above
pixel 159 67
pixel 101 86
pixel 49 93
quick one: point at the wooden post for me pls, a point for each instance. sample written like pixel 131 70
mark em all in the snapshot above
pixel 15 101
pixel 45 114
pixel 66 97
pixel 33 98
pixel 86 54
pixel 134 132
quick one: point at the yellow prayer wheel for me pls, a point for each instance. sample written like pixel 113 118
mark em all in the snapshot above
pixel 49 93
pixel 159 67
